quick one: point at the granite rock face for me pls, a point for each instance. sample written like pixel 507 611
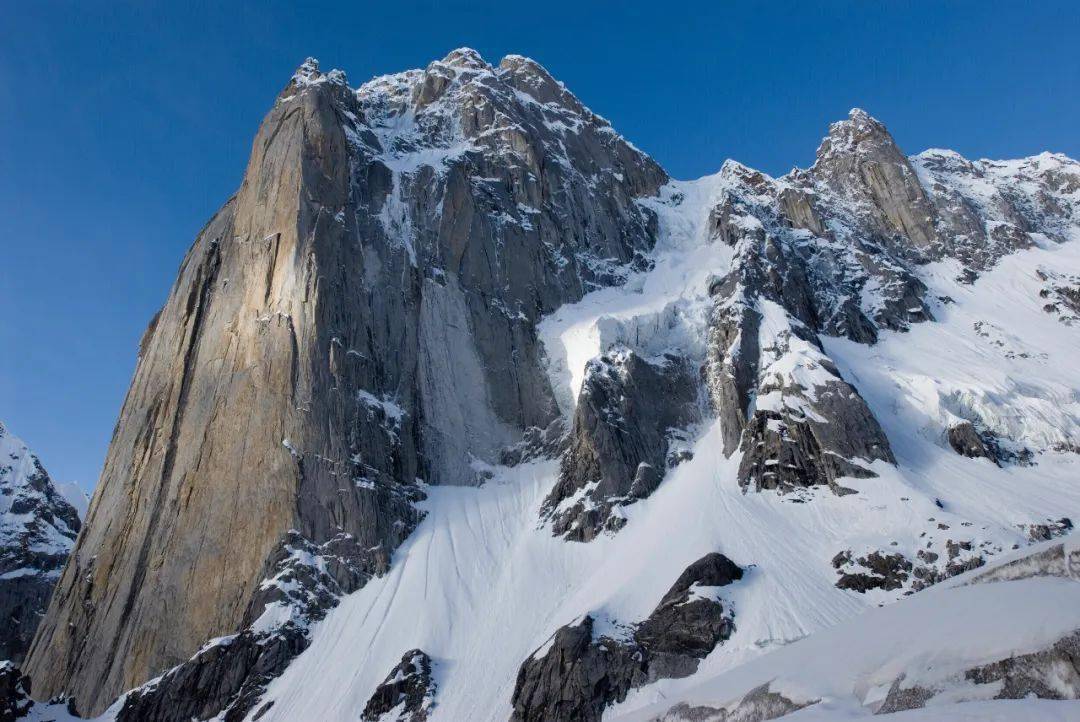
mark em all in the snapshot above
pixel 966 441
pixel 835 250
pixel 630 414
pixel 227 676
pixel 358 317
pixel 579 673
pixel 38 527
pixel 576 677
pixel 407 694
pixel 780 398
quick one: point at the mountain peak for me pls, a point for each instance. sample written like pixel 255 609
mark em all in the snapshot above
pixel 465 58
pixel 37 531
pixel 857 132
pixel 530 77
pixel 308 74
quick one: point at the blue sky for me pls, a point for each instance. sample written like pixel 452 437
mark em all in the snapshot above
pixel 125 125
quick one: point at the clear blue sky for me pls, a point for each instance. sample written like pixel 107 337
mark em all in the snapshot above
pixel 125 125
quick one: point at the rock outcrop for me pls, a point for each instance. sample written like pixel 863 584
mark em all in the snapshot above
pixel 227 676
pixel 15 700
pixel 835 250
pixel 966 441
pixel 407 694
pixel 1051 673
pixel 578 673
pixel 37 531
pixel 780 398
pixel 358 317
pixel 941 557
pixel 1061 295
pixel 757 705
pixel 628 413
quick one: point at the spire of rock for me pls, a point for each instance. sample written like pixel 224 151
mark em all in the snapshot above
pixel 308 75
pixel 860 159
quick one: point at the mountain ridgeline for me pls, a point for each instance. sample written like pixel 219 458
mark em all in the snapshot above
pixel 367 322
pixel 38 526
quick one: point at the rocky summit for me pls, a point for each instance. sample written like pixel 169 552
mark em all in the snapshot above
pixel 459 380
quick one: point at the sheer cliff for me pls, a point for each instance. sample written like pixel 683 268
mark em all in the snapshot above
pixel 358 321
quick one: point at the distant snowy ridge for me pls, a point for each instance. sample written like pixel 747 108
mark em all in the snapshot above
pixel 38 527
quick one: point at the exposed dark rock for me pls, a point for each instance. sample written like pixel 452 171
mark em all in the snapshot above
pixel 1050 562
pixel 15 702
pixel 1052 673
pixel 576 675
pixel 757 705
pixel 966 441
pixel 1050 530
pixel 303 581
pixel 860 161
pixel 226 678
pixel 983 211
pixel 799 434
pixel 779 396
pixel 408 691
pixel 537 443
pixel 686 626
pixel 627 411
pixel 878 571
pixel 902 698
pixel 1061 292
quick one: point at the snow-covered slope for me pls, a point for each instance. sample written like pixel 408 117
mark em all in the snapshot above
pixel 1011 630
pixel 37 530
